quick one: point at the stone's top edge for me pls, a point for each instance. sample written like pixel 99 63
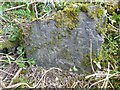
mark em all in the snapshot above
pixel 51 1
pixel 46 19
pixel 51 17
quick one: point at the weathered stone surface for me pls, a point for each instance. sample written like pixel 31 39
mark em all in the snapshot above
pixel 59 47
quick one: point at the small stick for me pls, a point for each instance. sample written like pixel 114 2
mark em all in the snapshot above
pixel 17 85
pixel 17 7
pixel 45 74
pixel 111 85
pixel 3 18
pixel 91 56
pixel 107 77
pixel 36 12
pixel 2 85
pixel 96 83
pixel 16 75
pixel 75 84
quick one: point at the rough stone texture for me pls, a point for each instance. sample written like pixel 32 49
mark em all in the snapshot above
pixel 59 47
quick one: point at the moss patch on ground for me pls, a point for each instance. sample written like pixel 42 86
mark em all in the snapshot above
pixel 7 44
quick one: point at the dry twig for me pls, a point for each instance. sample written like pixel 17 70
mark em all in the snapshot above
pixel 36 11
pixel 105 83
pixel 18 84
pixel 91 61
pixel 53 68
pixel 17 7
pixel 2 85
pixel 16 76
pixel 74 84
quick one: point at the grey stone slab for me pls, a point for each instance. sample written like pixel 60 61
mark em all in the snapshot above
pixel 58 47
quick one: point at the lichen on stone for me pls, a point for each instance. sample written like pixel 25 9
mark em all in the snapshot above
pixel 66 18
pixel 65 53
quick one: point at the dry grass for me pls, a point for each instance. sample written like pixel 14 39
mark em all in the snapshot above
pixel 38 77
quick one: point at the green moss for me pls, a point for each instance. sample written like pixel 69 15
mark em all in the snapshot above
pixel 66 18
pixel 111 8
pixel 100 30
pixel 84 8
pixel 7 44
pixel 86 60
pixel 96 14
pixel 99 12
